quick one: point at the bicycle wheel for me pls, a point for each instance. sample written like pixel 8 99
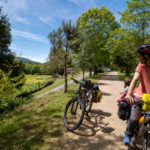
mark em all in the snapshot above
pixel 145 141
pixel 74 114
pixel 88 103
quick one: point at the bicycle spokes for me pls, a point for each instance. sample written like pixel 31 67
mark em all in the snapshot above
pixel 74 114
pixel 74 108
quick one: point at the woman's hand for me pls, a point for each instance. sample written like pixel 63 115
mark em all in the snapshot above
pixel 129 99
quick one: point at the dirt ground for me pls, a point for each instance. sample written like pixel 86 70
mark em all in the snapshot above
pixel 102 129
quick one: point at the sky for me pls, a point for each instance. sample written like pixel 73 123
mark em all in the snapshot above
pixel 32 21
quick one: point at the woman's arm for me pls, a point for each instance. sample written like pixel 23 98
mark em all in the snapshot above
pixel 129 97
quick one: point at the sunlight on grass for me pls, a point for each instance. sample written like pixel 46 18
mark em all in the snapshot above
pixel 37 125
pixel 32 81
pixel 58 82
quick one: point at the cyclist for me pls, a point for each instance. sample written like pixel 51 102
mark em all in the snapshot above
pixel 142 73
pixel 127 82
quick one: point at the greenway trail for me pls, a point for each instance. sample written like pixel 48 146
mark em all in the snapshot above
pixel 102 129
pixel 61 87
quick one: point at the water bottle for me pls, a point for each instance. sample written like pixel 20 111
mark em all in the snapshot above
pixel 142 127
pixel 141 120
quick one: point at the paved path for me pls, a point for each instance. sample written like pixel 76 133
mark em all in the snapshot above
pixel 102 129
pixel 61 87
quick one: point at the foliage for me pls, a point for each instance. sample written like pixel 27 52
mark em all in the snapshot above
pixel 8 84
pixel 59 81
pixel 8 91
pixel 38 124
pixel 46 68
pixel 11 70
pixel 62 41
pixel 124 42
pixel 5 33
pixel 95 26
pixel 136 18
pixel 9 102
pixel 33 68
pixel 34 83
pixel 57 52
pixel 121 51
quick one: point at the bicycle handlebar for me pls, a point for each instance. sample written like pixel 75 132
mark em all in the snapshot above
pixel 137 100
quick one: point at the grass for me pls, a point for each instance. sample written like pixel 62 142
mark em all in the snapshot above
pixel 122 76
pixel 34 81
pixel 58 82
pixel 37 125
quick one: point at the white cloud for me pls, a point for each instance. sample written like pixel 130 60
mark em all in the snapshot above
pixel 47 20
pixel 83 2
pixel 76 2
pixel 43 20
pixel 21 20
pixel 29 36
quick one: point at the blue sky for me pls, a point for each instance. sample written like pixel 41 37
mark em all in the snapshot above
pixel 32 21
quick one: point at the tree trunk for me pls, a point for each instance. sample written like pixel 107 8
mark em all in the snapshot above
pixel 127 71
pixel 65 70
pixel 83 70
pixel 95 70
pixel 90 72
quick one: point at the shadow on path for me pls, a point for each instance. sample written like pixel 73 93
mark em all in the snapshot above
pixel 106 94
pixel 112 77
pixel 138 144
pixel 94 123
pixel 102 83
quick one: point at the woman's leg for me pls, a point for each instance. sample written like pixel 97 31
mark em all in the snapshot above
pixel 133 119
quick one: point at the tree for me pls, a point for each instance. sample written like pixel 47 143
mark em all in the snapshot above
pixel 136 19
pixel 56 55
pixel 124 42
pixel 121 52
pixel 62 42
pixel 8 64
pixel 95 25
pixel 69 32
pixel 5 33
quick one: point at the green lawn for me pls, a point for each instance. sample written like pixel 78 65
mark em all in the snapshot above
pixel 34 81
pixel 37 125
pixel 58 82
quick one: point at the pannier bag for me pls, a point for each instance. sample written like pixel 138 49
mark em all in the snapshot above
pixel 97 95
pixel 87 84
pixel 124 110
pixel 146 98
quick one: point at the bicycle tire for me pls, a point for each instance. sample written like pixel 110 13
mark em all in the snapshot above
pixel 73 108
pixel 145 141
pixel 88 103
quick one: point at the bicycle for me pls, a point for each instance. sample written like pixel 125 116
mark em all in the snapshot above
pixel 80 105
pixel 143 128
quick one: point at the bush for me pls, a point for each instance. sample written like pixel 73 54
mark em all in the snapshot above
pixel 7 103
pixel 9 84
pixel 8 87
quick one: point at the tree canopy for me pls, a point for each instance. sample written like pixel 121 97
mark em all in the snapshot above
pixel 5 33
pixel 95 25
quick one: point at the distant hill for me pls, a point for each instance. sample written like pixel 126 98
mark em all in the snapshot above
pixel 26 60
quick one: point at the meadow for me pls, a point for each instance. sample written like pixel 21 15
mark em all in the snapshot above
pixel 34 82
pixel 38 124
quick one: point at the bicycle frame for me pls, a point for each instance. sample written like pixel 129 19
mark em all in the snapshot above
pixel 73 112
pixel 145 125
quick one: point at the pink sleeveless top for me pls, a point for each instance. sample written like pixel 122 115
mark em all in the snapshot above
pixel 144 86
